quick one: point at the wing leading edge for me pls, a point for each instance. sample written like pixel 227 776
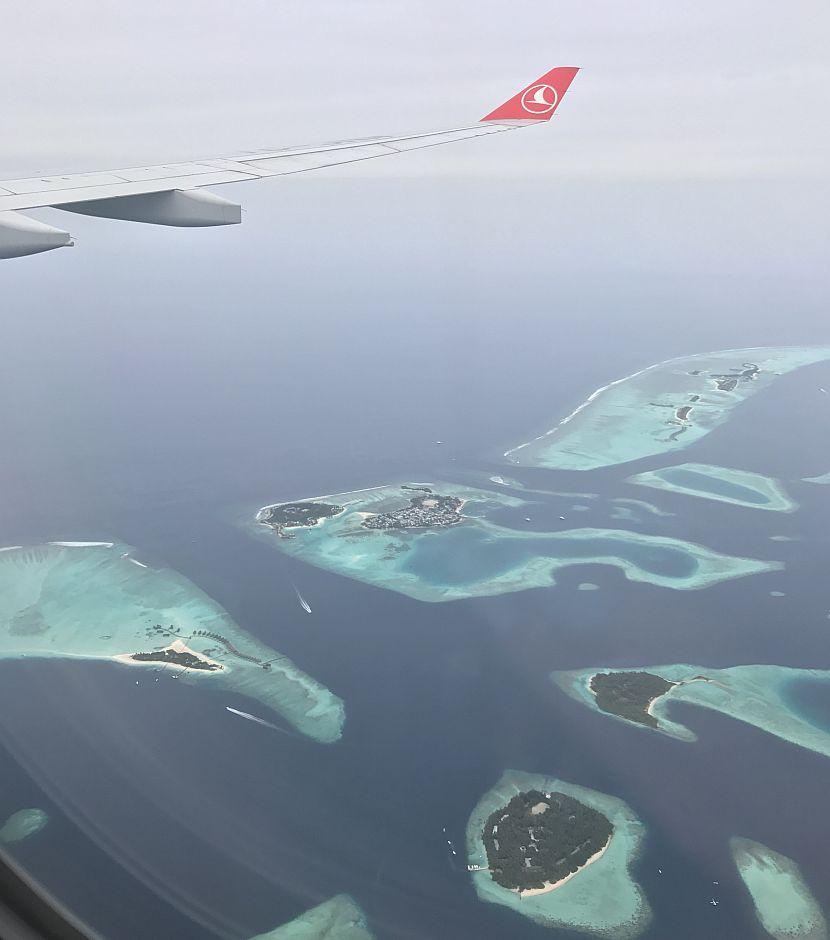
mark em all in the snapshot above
pixel 171 194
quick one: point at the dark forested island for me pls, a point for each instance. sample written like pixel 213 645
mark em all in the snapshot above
pixel 629 694
pixel 295 515
pixel 540 838
pixel 177 658
pixel 431 509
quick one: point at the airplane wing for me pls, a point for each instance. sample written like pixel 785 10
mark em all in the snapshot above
pixel 172 194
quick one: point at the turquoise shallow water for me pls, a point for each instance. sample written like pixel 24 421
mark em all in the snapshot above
pixel 603 898
pixel 147 401
pixel 695 480
pixel 760 695
pixel 23 824
pixel 784 904
pixel 468 554
pixel 723 484
pixel 478 557
pixel 99 601
pixel 638 415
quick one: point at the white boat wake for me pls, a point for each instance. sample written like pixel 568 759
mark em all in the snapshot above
pixel 259 721
pixel 303 602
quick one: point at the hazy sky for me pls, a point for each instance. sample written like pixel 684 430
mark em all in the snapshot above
pixel 692 89
pixel 685 175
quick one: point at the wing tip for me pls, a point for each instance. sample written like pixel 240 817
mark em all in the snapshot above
pixel 538 101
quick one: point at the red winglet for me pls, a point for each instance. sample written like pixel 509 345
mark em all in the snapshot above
pixel 538 101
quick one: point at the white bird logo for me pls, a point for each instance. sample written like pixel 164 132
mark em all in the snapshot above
pixel 540 99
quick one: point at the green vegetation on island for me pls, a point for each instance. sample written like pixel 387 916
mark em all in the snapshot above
pixel 429 509
pixel 381 539
pixel 602 898
pixel 783 902
pixel 174 657
pixel 538 839
pixel 765 696
pixel 629 694
pixel 96 601
pixel 300 515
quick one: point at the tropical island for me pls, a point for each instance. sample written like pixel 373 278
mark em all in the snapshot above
pixel 94 600
pixel 392 539
pixel 300 515
pixel 664 407
pixel 783 902
pixel 765 696
pixel 539 840
pixel 586 849
pixel 177 654
pixel 629 694
pixel 425 511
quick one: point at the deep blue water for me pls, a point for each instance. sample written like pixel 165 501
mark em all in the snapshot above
pixel 156 388
pixel 811 699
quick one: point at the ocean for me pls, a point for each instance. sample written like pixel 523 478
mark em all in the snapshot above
pixel 158 391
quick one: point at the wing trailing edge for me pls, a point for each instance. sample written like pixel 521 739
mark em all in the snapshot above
pixel 171 194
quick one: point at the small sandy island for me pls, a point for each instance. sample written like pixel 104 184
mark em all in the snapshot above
pixel 175 656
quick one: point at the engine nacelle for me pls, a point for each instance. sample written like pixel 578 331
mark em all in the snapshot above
pixel 20 236
pixel 187 208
